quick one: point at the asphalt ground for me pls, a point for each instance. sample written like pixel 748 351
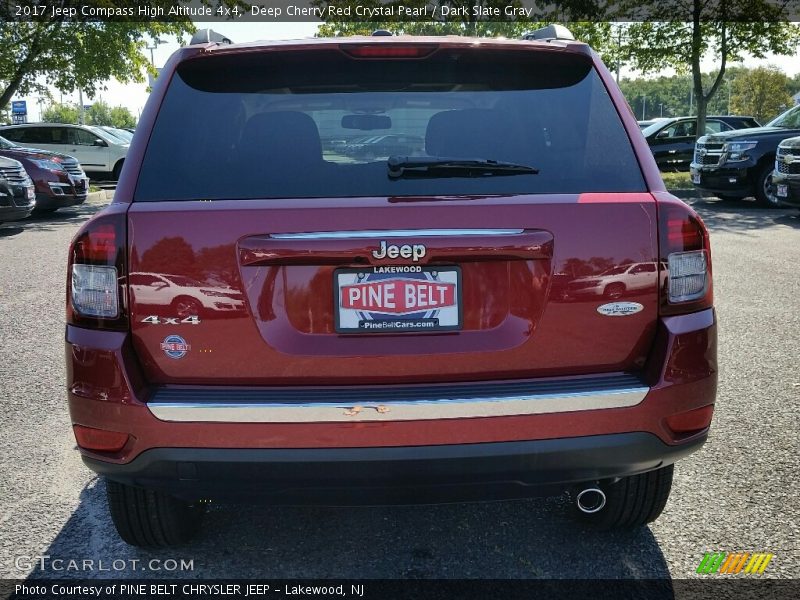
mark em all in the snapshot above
pixel 740 493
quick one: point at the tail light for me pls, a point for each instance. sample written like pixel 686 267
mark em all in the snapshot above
pixel 96 290
pixel 685 256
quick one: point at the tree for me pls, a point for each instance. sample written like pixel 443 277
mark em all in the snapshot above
pixel 60 113
pixel 72 55
pixel 122 117
pixel 99 113
pixel 723 30
pixel 762 93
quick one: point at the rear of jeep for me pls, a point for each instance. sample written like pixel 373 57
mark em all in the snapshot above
pixel 365 327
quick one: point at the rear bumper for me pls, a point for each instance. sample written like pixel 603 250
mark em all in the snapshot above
pixel 513 435
pixel 400 475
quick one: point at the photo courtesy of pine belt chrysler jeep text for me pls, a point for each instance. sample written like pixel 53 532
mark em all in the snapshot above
pixel 503 302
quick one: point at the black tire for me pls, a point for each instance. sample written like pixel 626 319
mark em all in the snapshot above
pixel 632 501
pixel 152 519
pixel 117 170
pixel 614 290
pixel 765 198
pixel 186 306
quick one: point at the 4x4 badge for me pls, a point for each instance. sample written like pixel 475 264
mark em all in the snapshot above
pixel 414 252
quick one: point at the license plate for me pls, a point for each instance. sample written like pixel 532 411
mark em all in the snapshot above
pixel 782 191
pixel 696 178
pixel 397 299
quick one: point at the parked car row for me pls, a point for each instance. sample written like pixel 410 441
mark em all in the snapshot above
pixel 100 150
pixel 372 147
pixel 17 196
pixel 672 140
pixel 762 161
pixel 38 180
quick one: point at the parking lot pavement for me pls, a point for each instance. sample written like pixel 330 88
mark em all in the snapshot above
pixel 738 494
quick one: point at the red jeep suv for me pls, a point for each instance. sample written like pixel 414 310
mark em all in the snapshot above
pixel 387 328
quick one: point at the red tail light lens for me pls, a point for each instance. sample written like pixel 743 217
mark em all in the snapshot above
pixel 685 258
pixel 99 440
pixel 97 245
pixel 684 234
pixel 384 50
pixel 691 421
pixel 96 288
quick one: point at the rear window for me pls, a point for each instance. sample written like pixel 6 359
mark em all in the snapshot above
pixel 322 124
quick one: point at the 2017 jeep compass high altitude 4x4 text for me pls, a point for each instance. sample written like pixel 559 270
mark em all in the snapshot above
pixel 397 328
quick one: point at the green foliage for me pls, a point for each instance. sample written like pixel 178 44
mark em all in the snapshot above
pixel 763 92
pixel 60 113
pixel 756 92
pixel 99 113
pixel 123 118
pixel 714 33
pixel 68 55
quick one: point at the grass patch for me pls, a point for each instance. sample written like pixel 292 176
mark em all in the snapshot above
pixel 677 181
pixel 94 188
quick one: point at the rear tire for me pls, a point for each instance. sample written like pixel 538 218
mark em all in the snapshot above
pixel 632 501
pixel 614 291
pixel 117 170
pixel 149 518
pixel 764 196
pixel 186 306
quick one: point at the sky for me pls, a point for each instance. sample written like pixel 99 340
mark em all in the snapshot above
pixel 133 96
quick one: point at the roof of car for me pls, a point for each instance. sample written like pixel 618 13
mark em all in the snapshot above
pixel 448 40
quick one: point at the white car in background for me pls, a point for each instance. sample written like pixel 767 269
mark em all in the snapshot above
pixel 614 282
pixel 182 296
pixel 100 153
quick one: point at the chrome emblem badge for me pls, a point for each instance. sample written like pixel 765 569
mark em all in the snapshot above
pixel 415 252
pixel 619 309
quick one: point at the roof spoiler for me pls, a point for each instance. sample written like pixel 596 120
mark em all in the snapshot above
pixel 209 36
pixel 551 32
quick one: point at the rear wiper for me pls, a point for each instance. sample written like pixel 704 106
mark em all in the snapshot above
pixel 438 166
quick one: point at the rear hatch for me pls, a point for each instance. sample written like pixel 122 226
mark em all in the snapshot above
pixel 499 207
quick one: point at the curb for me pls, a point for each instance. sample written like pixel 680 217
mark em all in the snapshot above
pixel 689 193
pixel 101 196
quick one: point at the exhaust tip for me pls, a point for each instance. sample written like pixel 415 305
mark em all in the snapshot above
pixel 591 500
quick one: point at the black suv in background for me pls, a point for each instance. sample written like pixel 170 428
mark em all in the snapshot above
pixel 17 197
pixel 672 140
pixel 786 178
pixel 736 164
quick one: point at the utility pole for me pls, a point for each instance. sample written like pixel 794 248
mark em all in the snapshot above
pixel 730 85
pixel 81 119
pixel 644 107
pixel 691 99
pixel 619 50
pixel 662 110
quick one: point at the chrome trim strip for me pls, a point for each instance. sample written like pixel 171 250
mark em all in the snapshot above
pixel 393 233
pixel 415 410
